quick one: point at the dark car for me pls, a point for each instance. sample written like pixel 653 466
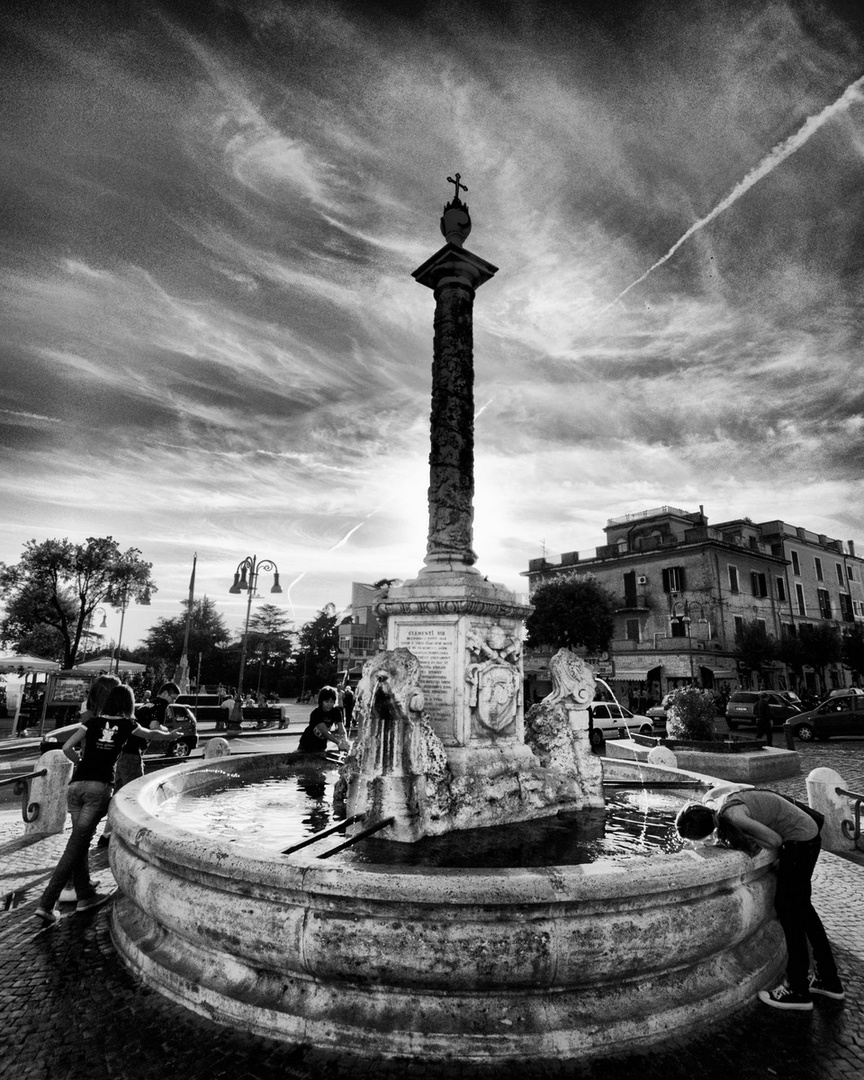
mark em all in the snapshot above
pixel 742 704
pixel 176 716
pixel 836 716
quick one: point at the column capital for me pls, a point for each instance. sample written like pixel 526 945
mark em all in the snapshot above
pixel 456 263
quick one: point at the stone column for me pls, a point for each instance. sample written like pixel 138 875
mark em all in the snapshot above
pixel 454 275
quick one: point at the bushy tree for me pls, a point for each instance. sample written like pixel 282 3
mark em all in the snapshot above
pixel 792 653
pixel 319 649
pixel 271 644
pixel 570 611
pixel 853 649
pixel 691 714
pixel 754 647
pixel 58 585
pixel 208 634
pixel 822 646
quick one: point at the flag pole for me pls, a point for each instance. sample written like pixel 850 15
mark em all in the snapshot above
pixel 181 676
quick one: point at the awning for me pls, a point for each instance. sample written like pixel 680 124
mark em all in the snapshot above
pixel 720 673
pixel 109 664
pixel 27 662
pixel 636 675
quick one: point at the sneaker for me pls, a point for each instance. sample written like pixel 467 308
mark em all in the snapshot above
pixel 48 917
pixel 783 997
pixel 94 901
pixel 830 990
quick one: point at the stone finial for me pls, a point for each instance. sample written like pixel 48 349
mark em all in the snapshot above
pixel 456 221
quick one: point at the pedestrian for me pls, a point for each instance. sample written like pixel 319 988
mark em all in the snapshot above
pixel 751 819
pixel 348 701
pixel 130 760
pixel 762 716
pixel 227 706
pixel 323 717
pixel 102 735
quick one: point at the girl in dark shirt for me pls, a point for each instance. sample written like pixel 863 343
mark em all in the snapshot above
pixel 103 735
pixel 317 733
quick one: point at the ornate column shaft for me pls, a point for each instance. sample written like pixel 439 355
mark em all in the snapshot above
pixel 454 274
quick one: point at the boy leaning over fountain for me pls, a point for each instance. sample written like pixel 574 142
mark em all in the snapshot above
pixel 748 817
pixel 317 733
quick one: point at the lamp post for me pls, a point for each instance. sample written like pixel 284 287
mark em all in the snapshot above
pixel 246 578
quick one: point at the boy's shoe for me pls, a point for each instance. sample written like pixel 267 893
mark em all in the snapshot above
pixel 94 901
pixel 783 997
pixel 47 917
pixel 68 895
pixel 832 990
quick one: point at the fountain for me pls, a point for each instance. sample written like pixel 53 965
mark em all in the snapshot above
pixel 386 959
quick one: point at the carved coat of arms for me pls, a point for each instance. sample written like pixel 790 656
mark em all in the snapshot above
pixel 494 676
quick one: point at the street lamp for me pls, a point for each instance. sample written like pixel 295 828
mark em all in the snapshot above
pixel 246 578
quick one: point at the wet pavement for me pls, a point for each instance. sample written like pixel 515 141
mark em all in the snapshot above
pixel 70 1011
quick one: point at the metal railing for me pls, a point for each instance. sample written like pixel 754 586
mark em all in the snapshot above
pixel 852 829
pixel 29 811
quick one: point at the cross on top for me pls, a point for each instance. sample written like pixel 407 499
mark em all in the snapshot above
pixel 452 180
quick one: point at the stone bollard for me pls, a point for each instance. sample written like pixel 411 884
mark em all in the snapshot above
pixel 789 736
pixel 821 795
pixel 217 748
pixel 50 793
pixel 662 755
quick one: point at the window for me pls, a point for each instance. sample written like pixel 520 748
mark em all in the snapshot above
pixel 630 590
pixel 846 610
pixel 758 584
pixel 818 564
pixel 679 626
pixel 849 572
pixel 673 579
pixel 796 566
pixel 824 603
pixel 633 630
pixel 857 609
pixel 739 626
pixel 840 579
pixel 733 578
pixel 781 589
pixel 764 625
pixel 787 631
pixel 799 596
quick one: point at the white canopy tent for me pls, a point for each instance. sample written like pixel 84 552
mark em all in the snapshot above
pixel 25 664
pixel 111 666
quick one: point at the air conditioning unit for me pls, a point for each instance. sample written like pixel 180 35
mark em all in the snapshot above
pixel 642 580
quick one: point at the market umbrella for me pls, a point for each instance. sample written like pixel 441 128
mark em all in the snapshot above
pixel 25 663
pixel 109 664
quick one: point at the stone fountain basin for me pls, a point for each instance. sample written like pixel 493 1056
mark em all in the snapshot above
pixel 560 962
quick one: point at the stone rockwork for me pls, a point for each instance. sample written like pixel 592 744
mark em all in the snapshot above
pixel 400 768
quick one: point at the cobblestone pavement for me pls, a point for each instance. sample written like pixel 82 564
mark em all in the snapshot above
pixel 70 1011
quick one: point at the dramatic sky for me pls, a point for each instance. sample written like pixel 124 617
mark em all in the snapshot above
pixel 211 340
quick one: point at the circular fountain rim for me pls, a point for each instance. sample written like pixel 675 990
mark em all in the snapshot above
pixel 218 858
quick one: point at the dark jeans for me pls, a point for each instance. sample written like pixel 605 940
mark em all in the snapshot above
pixel 764 728
pixel 798 917
pixel 87 803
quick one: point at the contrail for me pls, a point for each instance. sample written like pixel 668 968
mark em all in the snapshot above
pixel 767 165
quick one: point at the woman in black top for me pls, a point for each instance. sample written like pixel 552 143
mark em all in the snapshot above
pixel 317 733
pixel 89 794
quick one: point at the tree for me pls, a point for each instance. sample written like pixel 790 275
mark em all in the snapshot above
pixel 754 647
pixel 792 653
pixel 207 636
pixel 319 648
pixel 570 611
pixel 271 643
pixel 853 649
pixel 58 584
pixel 822 646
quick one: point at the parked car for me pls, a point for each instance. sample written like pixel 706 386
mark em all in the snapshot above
pixel 741 706
pixel 609 719
pixel 850 691
pixel 658 712
pixel 176 716
pixel 836 716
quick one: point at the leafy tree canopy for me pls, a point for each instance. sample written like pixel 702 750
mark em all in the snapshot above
pixel 207 632
pixel 572 611
pixel 853 649
pixel 58 585
pixel 319 644
pixel 754 646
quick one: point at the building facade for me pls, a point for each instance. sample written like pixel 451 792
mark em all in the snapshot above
pixel 361 635
pixel 684 590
